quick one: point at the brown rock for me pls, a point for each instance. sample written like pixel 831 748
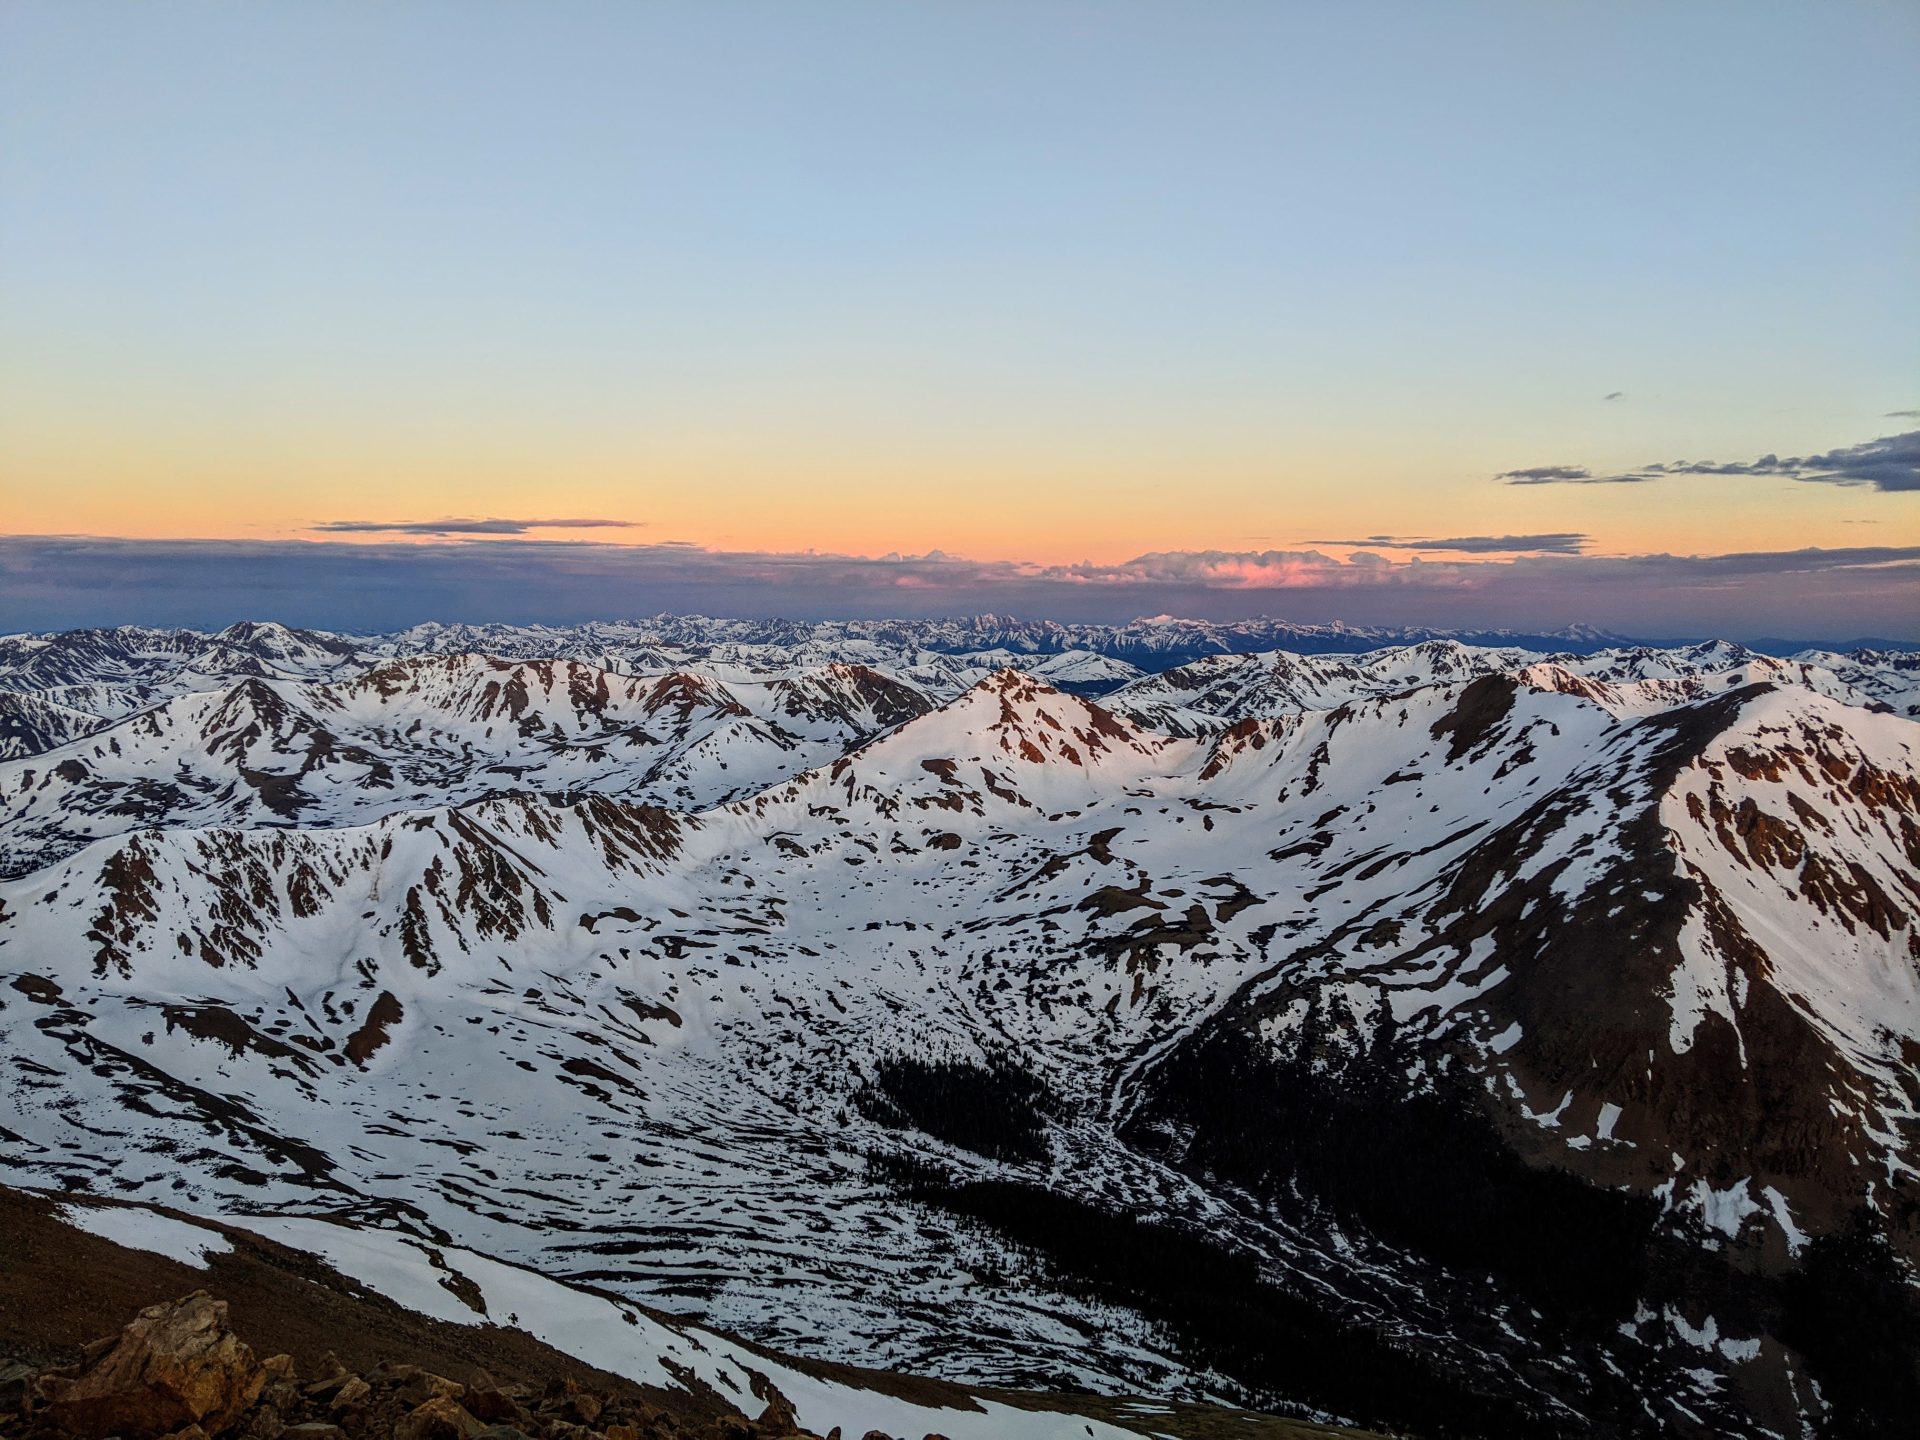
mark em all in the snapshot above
pixel 14 1382
pixel 352 1395
pixel 583 1408
pixel 313 1430
pixel 414 1385
pixel 569 1402
pixel 176 1365
pixel 192 1432
pixel 428 1386
pixel 48 1386
pixel 493 1405
pixel 437 1419
pixel 623 1432
pixel 280 1398
pixel 778 1418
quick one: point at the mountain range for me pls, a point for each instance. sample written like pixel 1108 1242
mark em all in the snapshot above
pixel 1483 1034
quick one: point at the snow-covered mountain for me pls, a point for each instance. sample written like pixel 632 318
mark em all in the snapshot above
pixel 1531 1029
pixel 436 730
pixel 1222 689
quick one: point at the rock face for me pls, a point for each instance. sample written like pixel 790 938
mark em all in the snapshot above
pixel 176 1365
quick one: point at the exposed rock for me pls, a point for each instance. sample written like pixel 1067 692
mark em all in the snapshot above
pixel 493 1405
pixel 178 1364
pixel 778 1416
pixel 15 1380
pixel 414 1386
pixel 582 1409
pixel 437 1419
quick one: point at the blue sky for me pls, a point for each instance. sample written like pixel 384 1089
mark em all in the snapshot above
pixel 1034 283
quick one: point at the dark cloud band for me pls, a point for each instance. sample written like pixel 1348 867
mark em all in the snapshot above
pixel 55 582
pixel 1890 463
pixel 1553 475
pixel 456 526
pixel 1556 543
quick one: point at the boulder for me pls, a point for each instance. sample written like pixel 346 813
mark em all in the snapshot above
pixel 178 1364
pixel 437 1419
pixel 493 1405
pixel 330 1368
pixel 582 1407
pixel 414 1385
pixel 778 1418
pixel 15 1382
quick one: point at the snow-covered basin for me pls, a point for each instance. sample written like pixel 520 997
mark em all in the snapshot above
pixel 595 1329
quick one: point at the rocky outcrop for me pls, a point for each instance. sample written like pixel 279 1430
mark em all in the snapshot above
pixel 176 1365
pixel 179 1371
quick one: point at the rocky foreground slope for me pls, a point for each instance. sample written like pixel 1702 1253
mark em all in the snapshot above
pixel 320 1332
pixel 1456 1040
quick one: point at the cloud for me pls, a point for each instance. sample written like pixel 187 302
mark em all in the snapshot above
pixel 454 526
pixel 1901 415
pixel 1556 475
pixel 1891 462
pixel 1558 543
pixel 56 582
pixel 1614 395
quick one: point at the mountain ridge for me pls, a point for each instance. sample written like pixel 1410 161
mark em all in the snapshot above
pixel 991 978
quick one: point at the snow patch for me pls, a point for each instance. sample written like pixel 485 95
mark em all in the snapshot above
pixel 157 1234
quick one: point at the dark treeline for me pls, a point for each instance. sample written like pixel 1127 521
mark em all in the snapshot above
pixel 1428 1173
pixel 1227 1316
pixel 1424 1172
pixel 992 1107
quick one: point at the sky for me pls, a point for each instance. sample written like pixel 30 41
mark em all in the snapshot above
pixel 1392 312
